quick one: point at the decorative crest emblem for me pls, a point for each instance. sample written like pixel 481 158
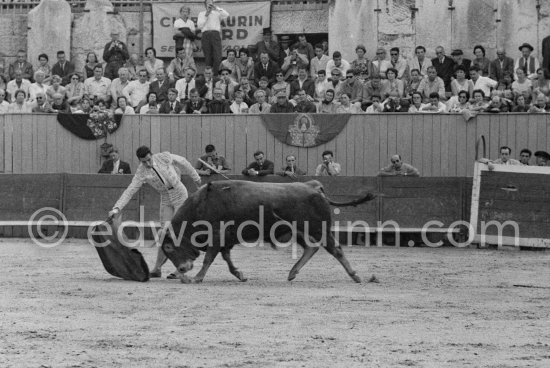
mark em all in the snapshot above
pixel 303 132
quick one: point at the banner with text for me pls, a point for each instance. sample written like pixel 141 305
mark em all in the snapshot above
pixel 243 27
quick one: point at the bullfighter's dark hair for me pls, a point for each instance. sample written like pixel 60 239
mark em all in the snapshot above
pixel 257 153
pixel 327 153
pixel 142 151
pixel 210 148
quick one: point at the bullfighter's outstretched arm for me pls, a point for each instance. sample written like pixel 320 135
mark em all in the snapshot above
pixel 132 189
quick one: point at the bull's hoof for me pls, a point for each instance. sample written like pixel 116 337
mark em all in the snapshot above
pixel 196 281
pixel 185 279
pixel 356 278
pixel 155 274
pixel 374 279
pixel 292 275
pixel 240 276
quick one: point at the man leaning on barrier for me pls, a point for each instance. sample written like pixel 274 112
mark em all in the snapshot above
pixel 398 168
pixel 163 172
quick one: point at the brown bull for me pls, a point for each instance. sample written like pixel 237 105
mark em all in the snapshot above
pixel 225 213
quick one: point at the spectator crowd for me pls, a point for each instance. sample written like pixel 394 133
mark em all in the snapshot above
pixel 275 76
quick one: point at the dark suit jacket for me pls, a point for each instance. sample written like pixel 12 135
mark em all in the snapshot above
pixel 107 167
pixel 162 92
pixel 308 86
pixel 259 71
pixel 165 107
pixel 466 64
pixel 266 169
pixel 546 53
pixel 200 85
pixel 445 71
pixel 64 73
pixel 201 106
pixel 27 70
pixel 496 72
pixel 273 50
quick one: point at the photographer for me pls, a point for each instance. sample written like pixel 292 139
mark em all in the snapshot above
pixel 328 167
pixel 115 55
pixel 209 22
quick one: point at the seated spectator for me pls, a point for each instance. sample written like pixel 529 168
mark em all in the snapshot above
pixel 379 64
pixel 303 105
pixel 230 63
pixel 63 68
pixel 227 85
pixel 265 68
pixel 399 64
pixel 435 105
pixel 395 104
pixel 398 168
pixel 499 104
pixel 248 91
pixel 321 84
pixel 89 64
pixel 542 158
pixel 59 105
pixel 392 85
pixel 522 86
pixel 161 85
pixel 75 90
pixel 461 104
pixel 151 63
pixel 371 88
pixel 504 87
pixel 361 64
pixel 521 104
pixel 195 104
pixel 417 104
pixel 302 82
pixel 432 83
pixel 352 87
pixel 337 63
pixel 134 66
pixel 114 165
pixel 292 64
pixel 502 64
pixel 153 108
pixel 122 107
pixel 504 159
pixel 525 156
pixel 376 107
pixel 185 84
pixel 420 62
pixel 291 170
pixel 41 103
pixel 279 86
pixel 136 91
pixel 3 103
pixel 4 86
pixel 171 105
pixel 218 105
pixel 413 84
pixel 239 106
pixel 335 83
pixel 483 83
pixel 20 105
pixel 319 62
pixel 479 103
pixel 118 84
pixel 38 86
pixel 260 166
pixel 21 65
pixel 481 61
pixel 346 107
pixel 529 64
pixel 542 83
pixel 328 167
pixel 56 87
pixel 212 159
pixel 327 105
pixel 540 105
pixel 460 83
pixel 85 107
pixel 44 67
pixel 282 105
pixel 261 106
pixel 18 84
pixel 98 87
pixel 179 65
pixel 245 65
pixel 151 100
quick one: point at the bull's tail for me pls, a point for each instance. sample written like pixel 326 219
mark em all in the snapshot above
pixel 367 197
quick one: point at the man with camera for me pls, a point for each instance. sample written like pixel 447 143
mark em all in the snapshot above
pixel 115 55
pixel 209 22
pixel 328 167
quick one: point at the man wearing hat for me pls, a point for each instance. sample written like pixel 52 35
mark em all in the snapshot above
pixel 115 55
pixel 542 158
pixel 269 46
pixel 284 41
pixel 282 105
pixel 461 61
pixel 528 63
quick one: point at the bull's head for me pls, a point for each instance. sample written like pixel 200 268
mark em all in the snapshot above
pixel 182 255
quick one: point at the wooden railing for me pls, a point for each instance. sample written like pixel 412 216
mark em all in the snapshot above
pixel 438 145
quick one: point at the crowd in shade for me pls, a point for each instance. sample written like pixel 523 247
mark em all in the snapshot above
pixel 277 75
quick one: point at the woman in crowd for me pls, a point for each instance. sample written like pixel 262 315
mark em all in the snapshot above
pixel 361 63
pixel 478 104
pixel 391 85
pixel 346 107
pixel 521 104
pixel 90 63
pixel 280 86
pixel 416 102
pixel 151 97
pixel 245 64
pixel 20 105
pixel 460 83
pixel 412 85
pixel 75 90
pixel 123 108
pixel 56 87
pixel 481 61
pixel 86 106
pixel 38 86
pixel 231 64
pixel 462 103
pixel 542 84
pixel 539 105
pixel 151 63
pixel 44 67
pixel 522 86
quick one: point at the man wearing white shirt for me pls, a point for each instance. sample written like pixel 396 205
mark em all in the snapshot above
pixel 120 83
pixel 337 63
pixel 184 30
pixel 136 91
pixel 38 86
pixel 185 85
pixel 400 64
pixel 209 22
pixel 98 87
pixel 379 64
pixel 483 83
pixel 319 62
pixel 419 61
pixel 17 84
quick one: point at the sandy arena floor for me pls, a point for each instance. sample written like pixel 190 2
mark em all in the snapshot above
pixel 432 308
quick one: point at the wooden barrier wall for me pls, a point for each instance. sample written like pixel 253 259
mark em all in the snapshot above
pixel 438 145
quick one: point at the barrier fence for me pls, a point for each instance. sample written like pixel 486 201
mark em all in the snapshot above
pixel 438 145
